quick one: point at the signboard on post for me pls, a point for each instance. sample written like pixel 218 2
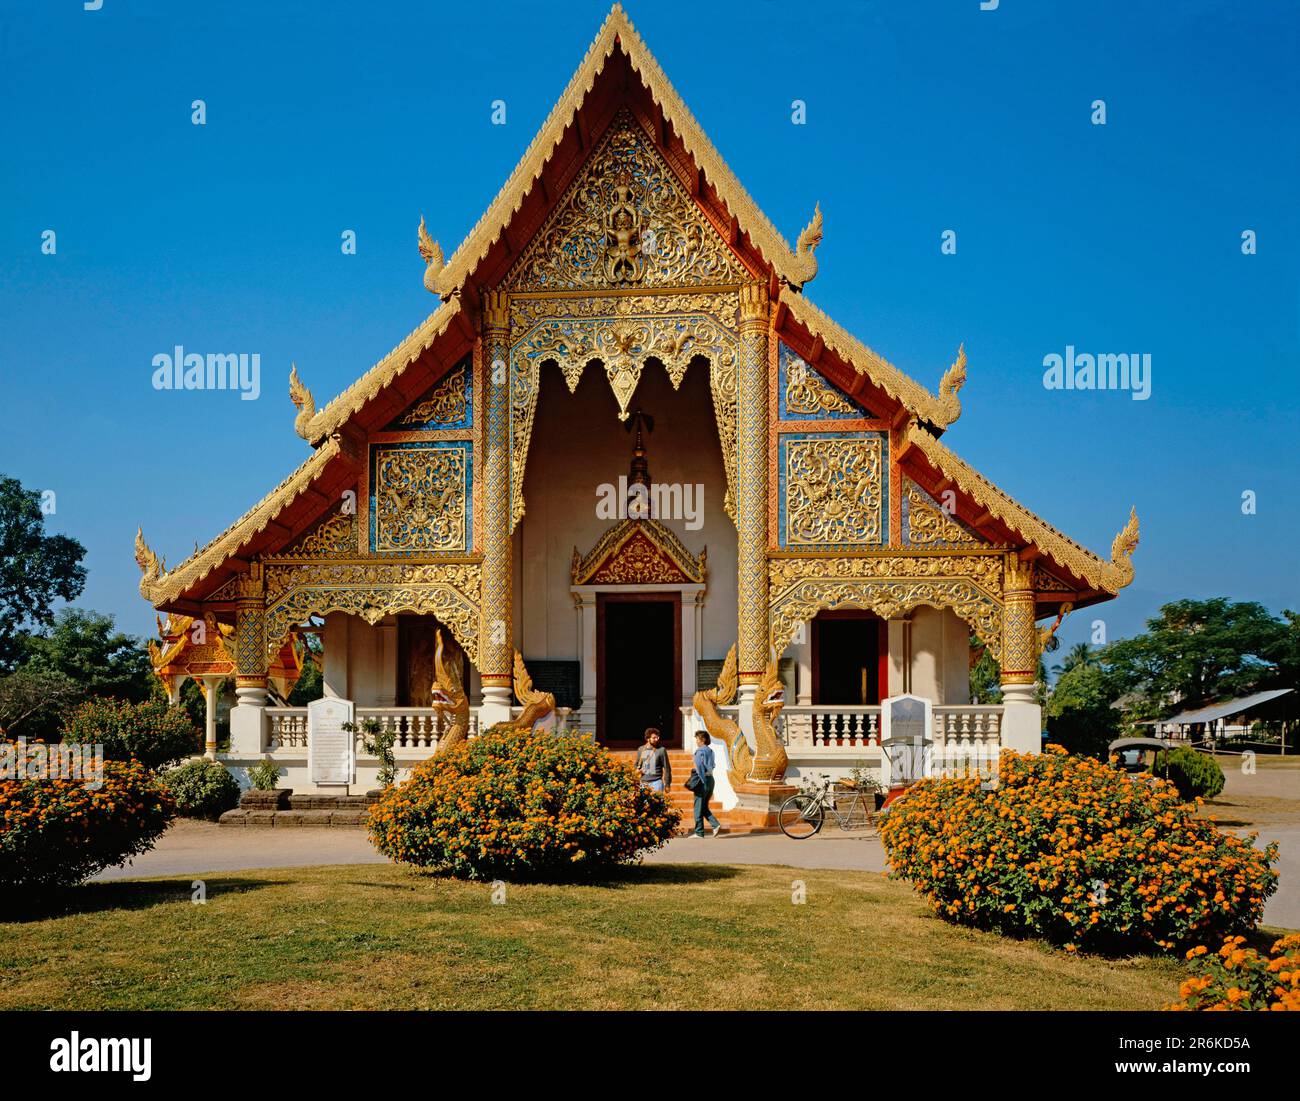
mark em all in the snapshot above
pixel 906 740
pixel 331 750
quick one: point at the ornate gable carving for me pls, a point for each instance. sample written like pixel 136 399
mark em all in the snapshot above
pixel 447 405
pixel 639 552
pixel 929 525
pixel 625 221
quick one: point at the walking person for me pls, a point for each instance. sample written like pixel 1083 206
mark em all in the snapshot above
pixel 703 761
pixel 652 762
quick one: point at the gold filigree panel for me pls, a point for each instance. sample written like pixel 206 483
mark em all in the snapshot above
pixel 625 221
pixel 629 548
pixel 447 404
pixel 372 590
pixel 623 333
pixel 888 585
pixel 809 395
pixel 334 537
pixel 930 526
pixel 420 498
pixel 832 491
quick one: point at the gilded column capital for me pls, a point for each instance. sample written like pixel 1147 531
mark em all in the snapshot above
pixel 753 306
pixel 1017 575
pixel 496 310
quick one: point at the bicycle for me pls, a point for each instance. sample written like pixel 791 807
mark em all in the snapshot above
pixel 802 815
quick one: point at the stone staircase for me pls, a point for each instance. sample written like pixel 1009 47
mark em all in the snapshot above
pixel 733 821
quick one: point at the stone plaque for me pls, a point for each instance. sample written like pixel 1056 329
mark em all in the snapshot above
pixel 331 750
pixel 905 739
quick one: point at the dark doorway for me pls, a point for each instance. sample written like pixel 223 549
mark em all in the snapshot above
pixel 849 658
pixel 639 667
pixel 417 640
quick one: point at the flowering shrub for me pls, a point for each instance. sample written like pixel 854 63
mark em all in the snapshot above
pixel 1193 774
pixel 1073 850
pixel 202 789
pixel 58 832
pixel 1240 978
pixel 152 732
pixel 521 805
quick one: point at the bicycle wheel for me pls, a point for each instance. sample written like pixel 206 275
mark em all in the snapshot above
pixel 801 816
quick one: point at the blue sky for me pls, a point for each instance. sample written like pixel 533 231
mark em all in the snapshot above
pixel 921 117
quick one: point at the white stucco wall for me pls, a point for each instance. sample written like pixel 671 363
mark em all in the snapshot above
pixel 578 443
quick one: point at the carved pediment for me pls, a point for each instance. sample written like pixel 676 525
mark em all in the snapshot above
pixel 928 524
pixel 447 404
pixel 639 552
pixel 626 221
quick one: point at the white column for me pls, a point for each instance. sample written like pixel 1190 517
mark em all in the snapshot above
pixel 249 722
pixel 211 685
pixel 587 649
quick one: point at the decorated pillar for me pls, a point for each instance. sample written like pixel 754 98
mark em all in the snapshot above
pixel 1021 715
pixel 496 617
pixel 211 687
pixel 752 650
pixel 248 721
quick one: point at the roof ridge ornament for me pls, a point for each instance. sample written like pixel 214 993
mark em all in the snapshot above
pixel 1119 569
pixel 953 380
pixel 153 570
pixel 305 403
pixel 805 267
pixel 431 254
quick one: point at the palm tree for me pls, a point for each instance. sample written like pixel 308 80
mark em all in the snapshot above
pixel 1079 654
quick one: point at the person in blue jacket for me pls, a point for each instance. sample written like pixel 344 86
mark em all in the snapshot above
pixel 703 761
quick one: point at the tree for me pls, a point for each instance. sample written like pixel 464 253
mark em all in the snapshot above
pixel 985 677
pixel 1078 654
pixel 36 569
pixel 1079 713
pixel 1198 651
pixel 86 647
pixel 32 702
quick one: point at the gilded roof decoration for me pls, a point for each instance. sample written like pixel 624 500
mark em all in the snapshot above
pixel 158 585
pixel 1109 576
pixel 625 221
pixel 940 411
pixel 446 406
pixel 618 34
pixel 930 525
pixel 638 552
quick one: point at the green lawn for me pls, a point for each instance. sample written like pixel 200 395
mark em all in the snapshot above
pixel 660 937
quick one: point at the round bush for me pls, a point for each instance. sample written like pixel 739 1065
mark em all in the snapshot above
pixel 202 789
pixel 1237 978
pixel 54 833
pixel 1190 772
pixel 1075 851
pixel 152 732
pixel 520 805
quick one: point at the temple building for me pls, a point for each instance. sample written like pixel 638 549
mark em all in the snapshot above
pixel 624 442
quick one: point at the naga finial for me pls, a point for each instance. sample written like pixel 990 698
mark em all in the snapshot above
pixel 805 268
pixel 152 568
pixel 431 254
pixel 306 404
pixel 953 380
pixel 1119 570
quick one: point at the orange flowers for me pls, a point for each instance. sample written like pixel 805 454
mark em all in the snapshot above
pixel 1064 834
pixel 518 805
pixel 1240 978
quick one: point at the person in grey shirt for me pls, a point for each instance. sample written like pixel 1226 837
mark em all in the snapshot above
pixel 652 762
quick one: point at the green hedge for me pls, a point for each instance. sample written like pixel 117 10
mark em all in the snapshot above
pixel 202 789
pixel 153 733
pixel 1192 773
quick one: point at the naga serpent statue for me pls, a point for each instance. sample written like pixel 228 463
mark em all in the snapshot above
pixel 771 761
pixel 537 705
pixel 769 764
pixel 450 699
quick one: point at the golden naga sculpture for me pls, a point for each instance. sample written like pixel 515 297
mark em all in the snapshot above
pixel 805 263
pixel 725 730
pixel 770 762
pixel 1118 572
pixel 537 705
pixel 431 254
pixel 152 568
pixel 1046 634
pixel 306 404
pixel 449 699
pixel 953 380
